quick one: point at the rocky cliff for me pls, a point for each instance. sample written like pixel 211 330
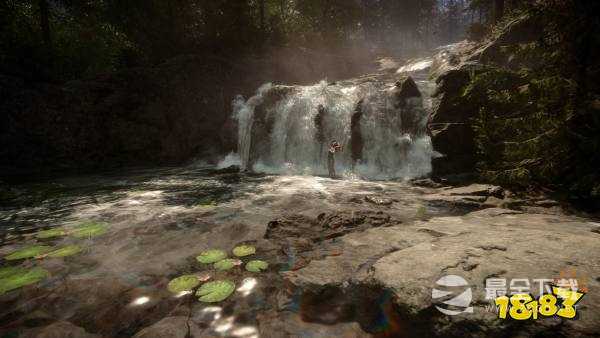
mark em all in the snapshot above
pixel 451 123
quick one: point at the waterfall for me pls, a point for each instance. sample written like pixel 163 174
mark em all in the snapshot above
pixel 278 129
pixel 243 112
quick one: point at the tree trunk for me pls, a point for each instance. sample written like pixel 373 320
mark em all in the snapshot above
pixel 45 22
pixel 262 16
pixel 498 10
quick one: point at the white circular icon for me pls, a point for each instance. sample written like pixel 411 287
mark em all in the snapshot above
pixel 455 285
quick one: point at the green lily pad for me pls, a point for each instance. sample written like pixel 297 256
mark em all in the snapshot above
pixel 216 291
pixel 10 270
pixel 22 278
pixel 29 252
pixel 227 264
pixel 68 250
pixel 51 233
pixel 90 229
pixel 244 250
pixel 183 283
pixel 256 266
pixel 211 256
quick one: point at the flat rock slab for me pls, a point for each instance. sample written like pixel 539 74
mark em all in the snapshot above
pixel 475 190
pixel 494 242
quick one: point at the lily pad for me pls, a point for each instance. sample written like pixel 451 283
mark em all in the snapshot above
pixel 183 283
pixel 216 291
pixel 256 266
pixel 51 233
pixel 227 264
pixel 10 270
pixel 211 256
pixel 90 229
pixel 244 250
pixel 22 278
pixel 29 252
pixel 68 250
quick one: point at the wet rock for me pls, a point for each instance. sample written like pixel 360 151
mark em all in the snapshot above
pixel 427 183
pixel 408 259
pixel 60 329
pixel 378 200
pixel 300 228
pixel 172 327
pixel 405 90
pixel 291 325
pixel 476 190
pixel 233 169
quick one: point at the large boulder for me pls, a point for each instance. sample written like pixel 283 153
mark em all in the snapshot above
pixel 523 29
pixel 450 125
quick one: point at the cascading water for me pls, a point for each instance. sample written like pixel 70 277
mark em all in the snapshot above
pixel 278 130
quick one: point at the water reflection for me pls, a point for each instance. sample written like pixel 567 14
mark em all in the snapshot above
pixel 248 285
pixel 140 301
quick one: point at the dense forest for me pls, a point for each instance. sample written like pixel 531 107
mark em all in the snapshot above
pixel 67 39
pixel 537 116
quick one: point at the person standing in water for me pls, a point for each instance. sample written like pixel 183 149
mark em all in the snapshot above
pixel 333 148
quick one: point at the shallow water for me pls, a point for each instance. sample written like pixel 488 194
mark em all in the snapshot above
pixel 159 220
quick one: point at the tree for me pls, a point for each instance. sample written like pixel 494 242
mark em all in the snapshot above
pixel 45 23
pixel 498 10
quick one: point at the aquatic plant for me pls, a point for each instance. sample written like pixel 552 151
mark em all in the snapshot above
pixel 65 251
pixel 18 277
pixel 211 256
pixel 216 291
pixel 227 264
pixel 10 270
pixel 183 283
pixel 256 266
pixel 51 233
pixel 28 252
pixel 244 250
pixel 90 229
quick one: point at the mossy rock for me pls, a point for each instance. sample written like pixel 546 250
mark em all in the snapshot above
pixel 51 233
pixel 90 229
pixel 216 291
pixel 211 256
pixel 22 278
pixel 227 264
pixel 244 250
pixel 29 252
pixel 65 251
pixel 183 283
pixel 256 266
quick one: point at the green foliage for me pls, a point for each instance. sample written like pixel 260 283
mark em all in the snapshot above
pixel 28 252
pixel 21 277
pixel 538 123
pixel 244 250
pixel 216 291
pixel 257 266
pixel 211 256
pixel 183 283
